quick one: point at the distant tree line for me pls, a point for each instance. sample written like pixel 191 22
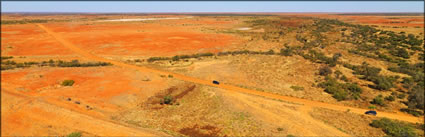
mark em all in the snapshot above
pixel 8 64
pixel 24 21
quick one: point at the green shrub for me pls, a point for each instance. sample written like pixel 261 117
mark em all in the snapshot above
pixel 175 58
pixel 67 82
pixel 382 82
pixel 354 89
pixel 324 71
pixel 416 97
pixel 378 100
pixel 168 99
pixel 297 88
pixel 372 107
pixel 341 91
pixel 393 128
pixel 390 98
pixel 74 134
pixel 401 52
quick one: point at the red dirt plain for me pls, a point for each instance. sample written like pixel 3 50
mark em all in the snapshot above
pixel 32 92
pixel 162 38
pixel 28 39
pixel 32 98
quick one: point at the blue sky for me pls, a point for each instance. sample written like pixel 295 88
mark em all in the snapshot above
pixel 213 6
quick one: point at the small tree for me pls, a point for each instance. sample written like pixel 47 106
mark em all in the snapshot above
pixel 168 99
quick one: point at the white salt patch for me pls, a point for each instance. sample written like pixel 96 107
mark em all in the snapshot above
pixel 143 19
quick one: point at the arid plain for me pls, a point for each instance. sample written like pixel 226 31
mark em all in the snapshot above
pixel 279 74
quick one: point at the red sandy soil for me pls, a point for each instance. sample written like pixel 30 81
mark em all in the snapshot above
pixel 164 38
pixel 35 99
pixel 28 39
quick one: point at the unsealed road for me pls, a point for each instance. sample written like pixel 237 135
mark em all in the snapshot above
pixel 231 88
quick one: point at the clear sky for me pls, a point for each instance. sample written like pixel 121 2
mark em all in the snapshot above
pixel 213 6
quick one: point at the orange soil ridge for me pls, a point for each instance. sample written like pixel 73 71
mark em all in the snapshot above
pixel 402 117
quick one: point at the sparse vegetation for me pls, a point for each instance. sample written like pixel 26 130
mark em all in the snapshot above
pixel 6 57
pixel 6 65
pixel 394 128
pixel 25 21
pixel 372 74
pixel 341 91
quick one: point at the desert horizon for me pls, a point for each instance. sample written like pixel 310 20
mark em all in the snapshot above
pixel 212 74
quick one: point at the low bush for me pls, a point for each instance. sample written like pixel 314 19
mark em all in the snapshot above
pixel 67 82
pixel 168 99
pixel 394 128
pixel 378 100
pixel 297 88
pixel 74 134
pixel 390 98
pixel 382 82
pixel 325 70
pixel 341 91
pixel 152 59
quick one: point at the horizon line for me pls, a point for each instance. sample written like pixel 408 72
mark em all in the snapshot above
pixel 193 12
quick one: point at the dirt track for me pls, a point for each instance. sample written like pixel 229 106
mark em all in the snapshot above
pixel 231 88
